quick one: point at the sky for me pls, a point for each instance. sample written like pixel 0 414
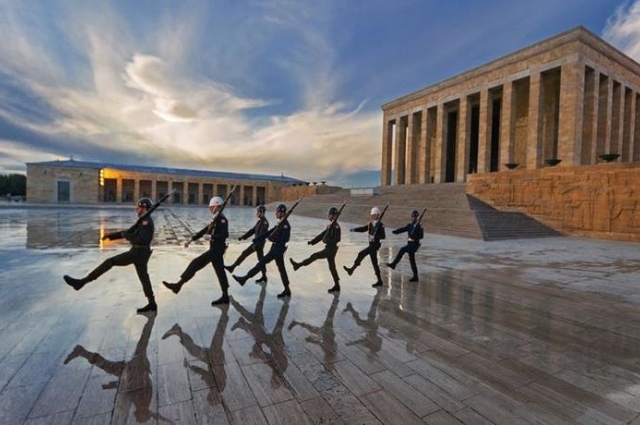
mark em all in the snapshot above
pixel 291 87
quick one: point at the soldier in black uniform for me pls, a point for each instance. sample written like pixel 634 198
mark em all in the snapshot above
pixel 279 236
pixel 216 233
pixel 376 234
pixel 261 226
pixel 415 235
pixel 330 236
pixel 140 238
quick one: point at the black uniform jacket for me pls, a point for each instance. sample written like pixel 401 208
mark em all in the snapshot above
pixel 219 230
pixel 414 230
pixel 369 228
pixel 330 235
pixel 140 235
pixel 261 226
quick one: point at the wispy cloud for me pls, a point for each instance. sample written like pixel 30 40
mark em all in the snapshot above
pixel 623 29
pixel 125 97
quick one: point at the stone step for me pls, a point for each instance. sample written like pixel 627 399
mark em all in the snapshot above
pixel 450 211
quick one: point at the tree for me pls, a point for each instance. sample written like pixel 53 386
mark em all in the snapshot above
pixel 15 184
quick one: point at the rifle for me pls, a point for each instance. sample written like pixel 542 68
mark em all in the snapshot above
pixel 417 223
pixel 213 223
pixel 375 229
pixel 118 235
pixel 344 204
pixel 335 220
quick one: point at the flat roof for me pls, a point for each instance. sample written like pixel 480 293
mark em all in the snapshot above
pixel 72 163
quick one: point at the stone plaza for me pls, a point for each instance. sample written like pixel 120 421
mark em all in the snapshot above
pixel 537 331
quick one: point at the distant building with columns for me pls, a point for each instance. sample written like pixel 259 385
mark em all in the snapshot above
pixel 71 181
pixel 572 97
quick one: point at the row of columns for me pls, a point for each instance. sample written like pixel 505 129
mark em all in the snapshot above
pixel 571 112
pixel 255 194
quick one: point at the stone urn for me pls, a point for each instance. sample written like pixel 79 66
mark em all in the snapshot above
pixel 552 162
pixel 609 157
pixel 511 165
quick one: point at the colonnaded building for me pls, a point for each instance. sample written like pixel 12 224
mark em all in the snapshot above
pixel 571 98
pixel 552 131
pixel 72 181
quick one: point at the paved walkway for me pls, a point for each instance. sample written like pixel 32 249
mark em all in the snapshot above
pixel 527 331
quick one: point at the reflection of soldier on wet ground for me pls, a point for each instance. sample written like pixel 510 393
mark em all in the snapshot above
pixel 133 377
pixel 324 336
pixel 371 340
pixel 253 324
pixel 214 375
pixel 257 245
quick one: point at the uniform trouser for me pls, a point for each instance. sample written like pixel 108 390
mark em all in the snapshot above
pixel 139 257
pixel 372 252
pixel 275 253
pixel 410 249
pixel 258 249
pixel 213 256
pixel 329 252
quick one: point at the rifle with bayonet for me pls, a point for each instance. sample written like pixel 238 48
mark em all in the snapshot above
pixel 375 229
pixel 118 235
pixel 213 223
pixel 417 223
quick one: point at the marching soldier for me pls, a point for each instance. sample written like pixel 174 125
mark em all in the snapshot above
pixel 140 237
pixel 330 236
pixel 375 230
pixel 415 233
pixel 216 233
pixel 261 226
pixel 279 236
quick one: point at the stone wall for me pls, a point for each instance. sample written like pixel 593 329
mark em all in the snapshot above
pixel 292 193
pixel 599 201
pixel 42 184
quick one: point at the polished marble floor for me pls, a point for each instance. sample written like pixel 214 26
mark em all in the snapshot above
pixel 528 331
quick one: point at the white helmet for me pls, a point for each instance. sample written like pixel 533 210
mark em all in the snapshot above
pixel 216 201
pixel 375 210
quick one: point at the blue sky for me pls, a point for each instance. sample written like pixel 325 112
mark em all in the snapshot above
pixel 266 86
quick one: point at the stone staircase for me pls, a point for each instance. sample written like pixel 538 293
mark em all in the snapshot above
pixel 450 211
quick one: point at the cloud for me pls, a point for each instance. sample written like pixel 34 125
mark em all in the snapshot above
pixel 112 95
pixel 623 29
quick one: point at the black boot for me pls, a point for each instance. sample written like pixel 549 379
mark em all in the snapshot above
pixel 263 279
pixel 175 287
pixel 414 279
pixel 224 299
pixel 76 284
pixel 391 265
pixel 336 288
pixel 349 270
pixel 240 279
pixel 150 307
pixel 295 265
pixel 230 268
pixel 285 293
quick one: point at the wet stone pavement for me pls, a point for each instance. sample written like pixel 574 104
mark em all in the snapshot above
pixel 527 331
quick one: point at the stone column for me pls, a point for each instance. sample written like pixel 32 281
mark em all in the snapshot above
pixel 387 142
pixel 629 126
pixel 425 154
pixel 571 113
pixel 604 118
pixel 413 139
pixel 462 148
pixel 185 192
pixel 506 125
pixel 484 132
pixel 617 115
pixel 136 189
pixel 241 195
pixel 254 196
pixel 154 189
pixel 534 142
pixel 119 189
pixel 169 189
pixel 200 193
pixel 439 169
pixel 401 150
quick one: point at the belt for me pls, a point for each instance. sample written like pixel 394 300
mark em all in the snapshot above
pixel 140 246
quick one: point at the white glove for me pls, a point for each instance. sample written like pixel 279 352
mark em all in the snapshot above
pixel 206 237
pixel 372 238
pixel 187 243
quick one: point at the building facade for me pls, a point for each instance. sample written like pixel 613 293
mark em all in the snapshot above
pixel 83 182
pixel 570 100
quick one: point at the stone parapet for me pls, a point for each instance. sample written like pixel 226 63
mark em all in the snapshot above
pixel 600 201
